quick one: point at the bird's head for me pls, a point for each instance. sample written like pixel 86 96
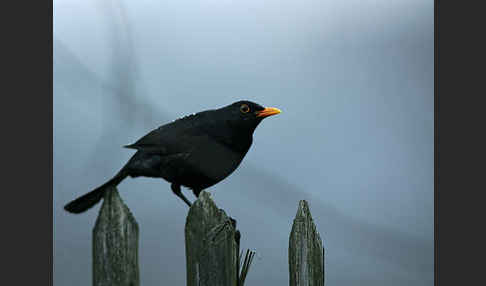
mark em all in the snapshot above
pixel 245 115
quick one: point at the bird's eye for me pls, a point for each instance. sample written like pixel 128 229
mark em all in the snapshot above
pixel 244 108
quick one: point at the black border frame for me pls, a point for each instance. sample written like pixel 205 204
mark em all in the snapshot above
pixel 459 152
pixel 27 144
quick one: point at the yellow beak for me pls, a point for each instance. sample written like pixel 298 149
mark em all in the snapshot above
pixel 268 111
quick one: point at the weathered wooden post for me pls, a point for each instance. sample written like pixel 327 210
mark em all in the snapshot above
pixel 211 248
pixel 306 255
pixel 115 244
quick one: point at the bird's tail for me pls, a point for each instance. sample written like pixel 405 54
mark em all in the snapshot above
pixel 90 199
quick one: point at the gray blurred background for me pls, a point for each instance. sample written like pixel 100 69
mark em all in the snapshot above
pixel 354 80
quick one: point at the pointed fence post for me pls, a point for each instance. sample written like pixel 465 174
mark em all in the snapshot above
pixel 306 254
pixel 211 248
pixel 115 244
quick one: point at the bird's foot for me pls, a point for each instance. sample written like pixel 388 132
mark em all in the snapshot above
pixel 237 232
pixel 176 189
pixel 237 238
pixel 233 222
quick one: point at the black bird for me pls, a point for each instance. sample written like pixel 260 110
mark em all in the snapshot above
pixel 196 151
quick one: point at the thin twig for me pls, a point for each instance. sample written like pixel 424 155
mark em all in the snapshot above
pixel 246 265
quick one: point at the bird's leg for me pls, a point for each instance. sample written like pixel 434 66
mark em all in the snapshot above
pixel 196 192
pixel 176 189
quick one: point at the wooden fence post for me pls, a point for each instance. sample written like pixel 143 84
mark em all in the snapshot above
pixel 306 255
pixel 115 244
pixel 211 248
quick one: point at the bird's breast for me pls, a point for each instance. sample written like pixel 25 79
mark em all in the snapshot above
pixel 214 160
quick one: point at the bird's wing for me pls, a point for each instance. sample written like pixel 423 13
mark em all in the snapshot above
pixel 150 164
pixel 172 138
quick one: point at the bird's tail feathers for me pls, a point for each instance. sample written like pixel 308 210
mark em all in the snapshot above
pixel 90 199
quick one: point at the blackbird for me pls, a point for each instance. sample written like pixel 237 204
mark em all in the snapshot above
pixel 196 151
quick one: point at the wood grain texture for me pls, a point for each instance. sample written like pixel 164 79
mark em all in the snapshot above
pixel 115 244
pixel 306 255
pixel 211 248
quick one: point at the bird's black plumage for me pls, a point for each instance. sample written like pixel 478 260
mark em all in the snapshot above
pixel 196 151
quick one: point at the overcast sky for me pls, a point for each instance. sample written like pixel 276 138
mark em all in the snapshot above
pixel 354 81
